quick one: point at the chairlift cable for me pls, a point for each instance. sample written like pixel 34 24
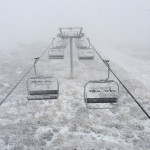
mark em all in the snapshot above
pixel 24 76
pixel 120 81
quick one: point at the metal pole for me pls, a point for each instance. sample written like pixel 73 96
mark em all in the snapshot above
pixel 71 59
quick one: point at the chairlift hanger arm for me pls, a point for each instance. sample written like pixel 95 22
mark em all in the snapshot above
pixel 53 42
pixel 80 31
pixel 60 31
pixel 89 44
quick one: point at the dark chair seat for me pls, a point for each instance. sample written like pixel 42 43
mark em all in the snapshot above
pixel 56 56
pixel 43 92
pixel 82 47
pixel 102 100
pixel 86 57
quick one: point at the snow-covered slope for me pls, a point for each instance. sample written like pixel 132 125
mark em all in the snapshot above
pixel 66 123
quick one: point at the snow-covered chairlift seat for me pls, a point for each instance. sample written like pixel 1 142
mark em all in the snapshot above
pixel 86 54
pixel 40 88
pixel 102 91
pixel 56 54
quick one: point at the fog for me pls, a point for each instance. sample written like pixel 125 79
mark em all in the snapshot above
pixel 111 23
pixel 120 32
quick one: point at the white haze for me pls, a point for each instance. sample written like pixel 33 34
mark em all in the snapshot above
pixel 106 22
pixel 119 29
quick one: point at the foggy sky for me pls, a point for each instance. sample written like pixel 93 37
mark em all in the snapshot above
pixel 106 22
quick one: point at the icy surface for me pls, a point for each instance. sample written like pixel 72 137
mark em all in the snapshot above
pixel 66 123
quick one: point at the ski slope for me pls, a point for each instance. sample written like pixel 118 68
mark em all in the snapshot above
pixel 66 123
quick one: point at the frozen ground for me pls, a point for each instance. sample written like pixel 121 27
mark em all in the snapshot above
pixel 66 123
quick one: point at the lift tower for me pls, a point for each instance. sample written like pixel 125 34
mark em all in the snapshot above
pixel 71 33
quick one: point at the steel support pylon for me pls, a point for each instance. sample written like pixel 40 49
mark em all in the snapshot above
pixel 71 58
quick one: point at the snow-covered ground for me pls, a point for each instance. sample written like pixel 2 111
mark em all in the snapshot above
pixel 66 123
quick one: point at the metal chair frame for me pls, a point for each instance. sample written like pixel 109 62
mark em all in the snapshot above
pixel 84 57
pixel 56 56
pixel 105 100
pixel 41 94
pixel 59 44
pixel 83 44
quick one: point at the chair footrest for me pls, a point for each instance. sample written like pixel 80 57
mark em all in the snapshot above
pixel 56 57
pixel 102 100
pixel 43 92
pixel 85 58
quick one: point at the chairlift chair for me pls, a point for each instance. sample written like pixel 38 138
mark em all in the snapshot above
pixel 56 53
pixel 83 44
pixel 104 92
pixel 61 44
pixel 42 88
pixel 85 54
